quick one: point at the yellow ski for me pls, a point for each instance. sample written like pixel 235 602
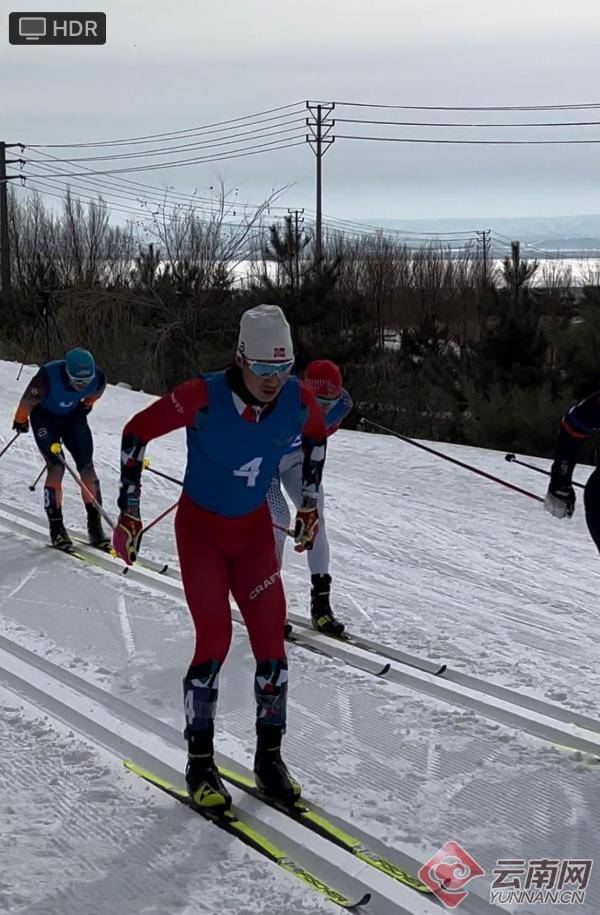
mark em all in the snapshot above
pixel 232 821
pixel 316 820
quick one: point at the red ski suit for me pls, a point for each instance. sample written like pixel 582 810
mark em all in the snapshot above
pixel 220 554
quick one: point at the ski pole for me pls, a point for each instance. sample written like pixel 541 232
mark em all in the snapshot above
pixel 12 441
pixel 446 457
pixel 37 479
pixel 165 476
pixel 279 527
pixel 160 517
pixel 512 458
pixel 158 473
pixel 56 449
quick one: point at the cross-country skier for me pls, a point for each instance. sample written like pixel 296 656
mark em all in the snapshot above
pixel 239 423
pixel 325 379
pixel 57 402
pixel 577 424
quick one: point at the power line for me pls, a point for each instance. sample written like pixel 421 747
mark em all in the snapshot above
pixel 466 142
pixel 170 133
pixel 350 227
pixel 261 132
pixel 409 241
pixel 401 240
pixel 570 107
pixel 118 183
pixel 251 151
pixel 398 231
pixel 40 187
pixel 107 194
pixel 139 214
pixel 253 236
pixel 476 124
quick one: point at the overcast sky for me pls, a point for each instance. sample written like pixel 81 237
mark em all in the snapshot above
pixel 171 66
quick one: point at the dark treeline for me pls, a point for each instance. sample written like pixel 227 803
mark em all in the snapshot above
pixel 432 343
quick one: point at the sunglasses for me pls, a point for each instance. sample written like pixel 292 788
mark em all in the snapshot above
pixel 79 382
pixel 328 403
pixel 267 369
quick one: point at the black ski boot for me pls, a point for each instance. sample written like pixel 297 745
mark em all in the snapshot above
pixel 287 629
pixel 320 608
pixel 58 534
pixel 204 784
pixel 270 771
pixel 96 534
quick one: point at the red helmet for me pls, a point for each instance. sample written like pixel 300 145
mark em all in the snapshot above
pixel 325 378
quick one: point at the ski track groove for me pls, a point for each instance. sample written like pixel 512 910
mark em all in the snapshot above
pixel 89 818
pixel 516 715
pixel 20 586
pixel 126 628
pixel 75 827
pixel 475 770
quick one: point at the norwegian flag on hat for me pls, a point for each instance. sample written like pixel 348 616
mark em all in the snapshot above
pixel 325 378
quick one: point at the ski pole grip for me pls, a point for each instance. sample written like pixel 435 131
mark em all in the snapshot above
pixel 510 457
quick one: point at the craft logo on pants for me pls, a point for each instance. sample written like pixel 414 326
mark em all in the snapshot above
pixel 57 28
pixel 264 585
pixel 448 872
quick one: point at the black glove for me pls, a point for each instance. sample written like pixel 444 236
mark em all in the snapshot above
pixel 87 408
pixel 21 427
pixel 560 499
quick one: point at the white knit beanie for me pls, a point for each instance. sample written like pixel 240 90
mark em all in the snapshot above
pixel 265 334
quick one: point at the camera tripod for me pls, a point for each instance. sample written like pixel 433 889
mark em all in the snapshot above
pixel 44 317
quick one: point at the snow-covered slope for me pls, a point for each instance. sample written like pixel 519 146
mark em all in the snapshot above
pixel 427 558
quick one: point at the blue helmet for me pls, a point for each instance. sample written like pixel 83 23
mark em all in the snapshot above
pixel 80 367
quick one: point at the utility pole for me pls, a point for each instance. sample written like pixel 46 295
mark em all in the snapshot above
pixel 297 220
pixel 320 127
pixel 515 247
pixel 483 236
pixel 4 248
pixel 4 238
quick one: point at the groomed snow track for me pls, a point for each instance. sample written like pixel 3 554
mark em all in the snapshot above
pixel 545 720
pixel 127 732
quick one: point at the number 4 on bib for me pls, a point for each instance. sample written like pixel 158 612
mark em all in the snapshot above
pixel 250 470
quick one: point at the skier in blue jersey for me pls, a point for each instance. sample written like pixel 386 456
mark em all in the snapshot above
pixel 57 402
pixel 578 423
pixel 239 423
pixel 325 379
